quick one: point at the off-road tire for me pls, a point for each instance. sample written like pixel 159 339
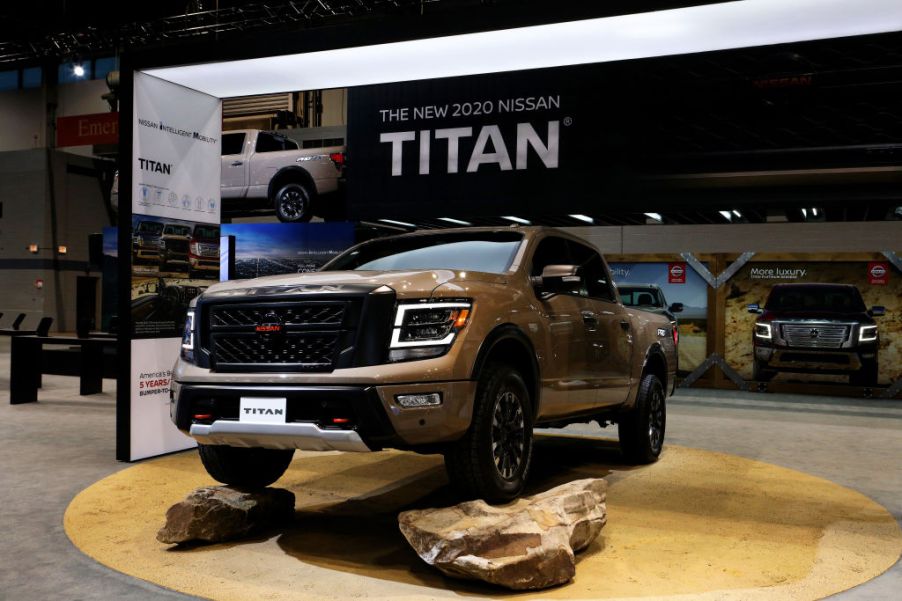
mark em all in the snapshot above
pixel 244 467
pixel 471 461
pixel 760 373
pixel 641 429
pixel 293 203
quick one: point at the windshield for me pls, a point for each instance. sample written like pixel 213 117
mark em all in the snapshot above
pixel 206 231
pixel 150 227
pixel 640 297
pixel 177 230
pixel 490 252
pixel 841 299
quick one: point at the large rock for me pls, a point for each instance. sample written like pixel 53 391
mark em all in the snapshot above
pixel 527 544
pixel 221 513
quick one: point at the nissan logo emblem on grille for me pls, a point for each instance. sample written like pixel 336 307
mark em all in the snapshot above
pixel 814 333
pixel 270 324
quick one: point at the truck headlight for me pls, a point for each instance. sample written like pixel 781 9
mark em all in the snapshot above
pixel 867 333
pixel 763 331
pixel 425 330
pixel 188 337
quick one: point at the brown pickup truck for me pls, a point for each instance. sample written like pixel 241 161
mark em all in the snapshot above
pixel 457 342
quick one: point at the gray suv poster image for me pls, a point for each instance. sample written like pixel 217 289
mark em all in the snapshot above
pixel 815 322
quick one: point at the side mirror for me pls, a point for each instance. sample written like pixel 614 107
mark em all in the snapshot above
pixel 877 311
pixel 676 308
pixel 755 308
pixel 558 278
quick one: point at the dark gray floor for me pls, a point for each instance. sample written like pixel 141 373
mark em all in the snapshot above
pixel 51 450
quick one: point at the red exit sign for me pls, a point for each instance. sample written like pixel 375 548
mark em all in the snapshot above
pixel 85 130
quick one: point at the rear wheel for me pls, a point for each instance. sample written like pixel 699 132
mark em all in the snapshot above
pixel 492 460
pixel 641 430
pixel 245 467
pixel 294 203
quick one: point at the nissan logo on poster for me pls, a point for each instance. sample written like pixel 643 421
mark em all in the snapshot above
pixel 676 273
pixel 527 142
pixel 878 274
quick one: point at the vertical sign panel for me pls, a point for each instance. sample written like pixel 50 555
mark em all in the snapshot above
pixel 176 142
pixel 174 252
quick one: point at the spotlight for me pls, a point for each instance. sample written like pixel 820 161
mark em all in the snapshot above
pixel 78 70
pixel 62 249
pixel 33 249
pixel 726 215
pixel 655 216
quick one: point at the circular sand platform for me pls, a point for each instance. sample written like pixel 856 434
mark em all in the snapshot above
pixel 697 525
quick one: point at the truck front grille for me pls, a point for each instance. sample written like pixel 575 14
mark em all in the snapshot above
pixel 302 351
pixel 288 336
pixel 815 335
pixel 294 314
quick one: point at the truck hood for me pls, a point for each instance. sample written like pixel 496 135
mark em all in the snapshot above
pixel 412 284
pixel 815 316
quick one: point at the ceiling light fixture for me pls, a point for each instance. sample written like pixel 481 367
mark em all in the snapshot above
pixel 726 215
pixel 655 216
pixel 737 214
pixel 584 218
pixel 814 212
pixel 804 213
pixel 78 70
pixel 456 221
pixel 516 219
pixel 401 223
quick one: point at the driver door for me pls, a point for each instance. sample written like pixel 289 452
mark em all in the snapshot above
pixel 565 377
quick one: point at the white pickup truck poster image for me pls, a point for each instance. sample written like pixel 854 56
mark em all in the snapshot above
pixel 175 150
pixel 266 170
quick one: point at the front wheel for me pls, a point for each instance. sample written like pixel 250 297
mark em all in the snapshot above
pixel 641 430
pixel 244 467
pixel 761 373
pixel 492 460
pixel 293 203
pixel 866 376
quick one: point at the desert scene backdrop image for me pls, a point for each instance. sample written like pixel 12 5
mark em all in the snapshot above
pixel 745 289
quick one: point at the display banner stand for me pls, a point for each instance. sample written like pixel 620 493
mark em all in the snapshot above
pixel 169 182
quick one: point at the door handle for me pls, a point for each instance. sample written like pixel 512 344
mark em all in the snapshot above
pixel 237 163
pixel 590 318
pixel 625 325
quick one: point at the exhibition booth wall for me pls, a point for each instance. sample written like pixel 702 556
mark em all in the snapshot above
pixel 496 131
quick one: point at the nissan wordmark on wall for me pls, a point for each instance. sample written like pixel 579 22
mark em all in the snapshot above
pixel 456 342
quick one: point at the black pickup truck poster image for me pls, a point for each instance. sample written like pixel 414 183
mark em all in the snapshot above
pixel 172 262
pixel 816 322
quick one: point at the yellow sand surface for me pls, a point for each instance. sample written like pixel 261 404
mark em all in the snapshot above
pixel 696 525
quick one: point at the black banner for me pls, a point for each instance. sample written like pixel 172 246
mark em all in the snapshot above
pixel 480 145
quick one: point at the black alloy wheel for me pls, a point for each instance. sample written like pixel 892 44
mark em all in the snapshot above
pixel 642 428
pixel 656 420
pixel 492 460
pixel 293 204
pixel 508 434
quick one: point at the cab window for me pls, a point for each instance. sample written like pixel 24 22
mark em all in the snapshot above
pixel 551 251
pixel 232 144
pixel 596 282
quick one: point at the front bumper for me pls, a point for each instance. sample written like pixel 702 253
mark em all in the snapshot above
pixel 324 417
pixel 277 436
pixel 804 360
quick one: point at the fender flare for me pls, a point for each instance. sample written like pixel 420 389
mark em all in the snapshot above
pixel 294 172
pixel 501 333
pixel 657 351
